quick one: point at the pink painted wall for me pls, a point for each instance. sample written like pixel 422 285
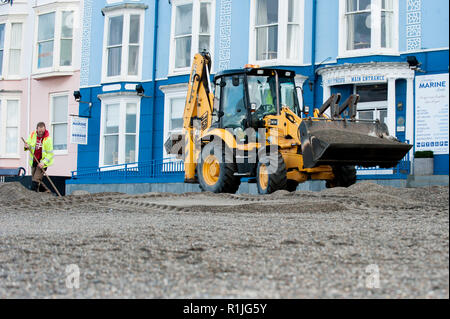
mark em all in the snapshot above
pixel 41 90
pixel 22 86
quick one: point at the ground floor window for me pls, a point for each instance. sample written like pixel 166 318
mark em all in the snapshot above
pixel 59 114
pixel 9 127
pixel 174 102
pixel 119 131
pixel 373 101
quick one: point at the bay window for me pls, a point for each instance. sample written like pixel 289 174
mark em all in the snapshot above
pixel 2 45
pixel 276 31
pixel 114 47
pixel 46 35
pixel 10 48
pixel 174 103
pixel 66 38
pixel 15 49
pixel 119 130
pixel 59 115
pixel 192 32
pixel 54 40
pixel 368 26
pixel 122 58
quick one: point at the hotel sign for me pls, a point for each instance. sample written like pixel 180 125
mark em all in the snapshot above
pixel 432 113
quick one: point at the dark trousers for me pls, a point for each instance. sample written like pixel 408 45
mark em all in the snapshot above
pixel 36 177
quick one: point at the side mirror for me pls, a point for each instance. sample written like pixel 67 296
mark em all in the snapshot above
pixel 219 114
pixel 235 80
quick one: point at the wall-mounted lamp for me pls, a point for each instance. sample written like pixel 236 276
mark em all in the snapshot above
pixel 77 96
pixel 140 91
pixel 414 64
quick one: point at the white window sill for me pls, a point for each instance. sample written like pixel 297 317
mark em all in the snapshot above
pixel 266 63
pixel 10 77
pixel 61 152
pixel 359 53
pixel 51 74
pixel 179 72
pixel 10 156
pixel 125 78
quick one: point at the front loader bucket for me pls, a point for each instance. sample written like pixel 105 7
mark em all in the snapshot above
pixel 343 142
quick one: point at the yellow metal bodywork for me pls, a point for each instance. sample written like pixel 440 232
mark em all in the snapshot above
pixel 281 130
pixel 211 169
pixel 199 104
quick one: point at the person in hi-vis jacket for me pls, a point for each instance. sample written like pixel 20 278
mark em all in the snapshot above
pixel 41 145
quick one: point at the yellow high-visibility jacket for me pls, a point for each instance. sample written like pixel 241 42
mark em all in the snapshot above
pixel 47 148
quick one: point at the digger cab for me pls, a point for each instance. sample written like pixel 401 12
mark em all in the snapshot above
pixel 243 97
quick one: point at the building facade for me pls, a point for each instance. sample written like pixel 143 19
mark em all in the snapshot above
pixel 387 51
pixel 39 70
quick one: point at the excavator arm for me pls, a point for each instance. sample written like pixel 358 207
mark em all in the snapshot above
pixel 197 115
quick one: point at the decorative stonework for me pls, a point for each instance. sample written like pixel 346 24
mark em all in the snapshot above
pixel 364 73
pixel 86 43
pixel 413 25
pixel 225 35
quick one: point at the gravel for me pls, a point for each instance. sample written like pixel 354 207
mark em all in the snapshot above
pixel 365 241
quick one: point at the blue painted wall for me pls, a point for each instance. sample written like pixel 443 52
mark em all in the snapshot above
pixel 162 59
pixel 435 24
pixel 327 29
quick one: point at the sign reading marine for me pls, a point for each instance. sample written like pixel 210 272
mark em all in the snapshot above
pixel 6 2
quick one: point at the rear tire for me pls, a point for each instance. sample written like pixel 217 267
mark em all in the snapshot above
pixel 268 177
pixel 214 173
pixel 344 176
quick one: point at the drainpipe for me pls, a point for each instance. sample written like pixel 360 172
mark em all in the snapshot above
pixel 313 51
pixel 155 41
pixel 29 86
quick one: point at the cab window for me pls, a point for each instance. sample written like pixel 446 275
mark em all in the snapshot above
pixel 233 102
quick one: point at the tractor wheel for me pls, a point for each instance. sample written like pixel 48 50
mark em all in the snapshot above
pixel 214 173
pixel 344 176
pixel 292 185
pixel 271 173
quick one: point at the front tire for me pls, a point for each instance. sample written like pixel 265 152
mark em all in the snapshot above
pixel 215 174
pixel 271 173
pixel 344 176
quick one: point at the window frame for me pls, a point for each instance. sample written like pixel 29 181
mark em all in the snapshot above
pixel 283 10
pixel 53 95
pixel 126 13
pixel 9 21
pixel 3 114
pixel 57 8
pixel 122 100
pixel 375 45
pixel 171 92
pixel 195 35
pixel 374 106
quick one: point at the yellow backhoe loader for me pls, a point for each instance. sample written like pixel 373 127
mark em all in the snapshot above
pixel 253 126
